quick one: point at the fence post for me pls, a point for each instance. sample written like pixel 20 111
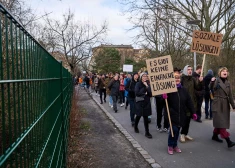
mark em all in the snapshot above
pixel 62 113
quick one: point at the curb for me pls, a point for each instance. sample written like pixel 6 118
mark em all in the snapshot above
pixel 134 143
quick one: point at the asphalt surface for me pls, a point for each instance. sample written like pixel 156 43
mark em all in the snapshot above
pixel 201 152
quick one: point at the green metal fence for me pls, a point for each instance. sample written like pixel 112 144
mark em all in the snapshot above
pixel 35 100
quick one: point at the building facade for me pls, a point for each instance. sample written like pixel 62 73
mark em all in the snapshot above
pixel 125 51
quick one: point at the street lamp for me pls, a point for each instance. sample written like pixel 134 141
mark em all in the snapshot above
pixel 194 23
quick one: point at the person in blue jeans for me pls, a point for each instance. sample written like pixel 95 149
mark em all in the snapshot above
pixel 208 100
pixel 130 87
pixel 177 103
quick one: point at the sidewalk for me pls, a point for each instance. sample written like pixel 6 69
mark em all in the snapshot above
pixel 202 152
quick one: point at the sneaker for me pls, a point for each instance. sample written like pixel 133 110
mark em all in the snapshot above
pixel 182 138
pixel 122 104
pixel 170 150
pixel 159 129
pixel 111 106
pixel 165 129
pixel 188 138
pixel 115 111
pixel 177 149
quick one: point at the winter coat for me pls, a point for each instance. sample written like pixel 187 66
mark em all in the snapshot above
pixel 130 87
pixel 143 108
pixel 221 103
pixel 101 83
pixel 126 80
pixel 96 80
pixel 107 81
pixel 178 103
pixel 114 87
pixel 190 84
pixel 122 87
pixel 87 80
pixel 200 91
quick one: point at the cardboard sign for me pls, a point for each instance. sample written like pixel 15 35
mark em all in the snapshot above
pixel 127 68
pixel 161 75
pixel 206 42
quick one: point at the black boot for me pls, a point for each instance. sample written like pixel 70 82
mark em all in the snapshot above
pixel 229 142
pixel 148 135
pixel 216 138
pixel 136 129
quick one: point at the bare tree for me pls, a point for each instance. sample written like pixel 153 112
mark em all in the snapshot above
pixel 152 20
pixel 73 38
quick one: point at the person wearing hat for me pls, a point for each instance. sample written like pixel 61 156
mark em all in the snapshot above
pixel 130 88
pixel 143 105
pixel 223 98
pixel 177 103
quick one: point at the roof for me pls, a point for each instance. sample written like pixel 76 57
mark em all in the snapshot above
pixel 115 46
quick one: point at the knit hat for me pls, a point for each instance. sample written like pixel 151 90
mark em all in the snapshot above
pixel 210 72
pixel 143 73
pixel 221 69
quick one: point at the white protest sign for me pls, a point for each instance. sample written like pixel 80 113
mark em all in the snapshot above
pixel 127 68
pixel 161 75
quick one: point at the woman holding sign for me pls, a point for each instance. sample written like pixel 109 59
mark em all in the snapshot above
pixel 177 103
pixel 221 106
pixel 143 105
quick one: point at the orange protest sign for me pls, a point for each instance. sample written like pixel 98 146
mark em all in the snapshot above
pixel 206 42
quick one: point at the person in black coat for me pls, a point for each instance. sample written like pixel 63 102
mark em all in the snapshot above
pixel 143 104
pixel 207 97
pixel 199 93
pixel 130 87
pixel 177 103
pixel 114 88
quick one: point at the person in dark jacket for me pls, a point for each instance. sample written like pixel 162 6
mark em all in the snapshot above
pixel 130 88
pixel 177 103
pixel 102 89
pixel 190 84
pixel 143 104
pixel 207 97
pixel 199 93
pixel 221 106
pixel 114 91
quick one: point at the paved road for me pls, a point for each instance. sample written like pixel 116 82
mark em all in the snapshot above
pixel 202 152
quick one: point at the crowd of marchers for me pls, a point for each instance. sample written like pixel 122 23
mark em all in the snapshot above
pixel 133 92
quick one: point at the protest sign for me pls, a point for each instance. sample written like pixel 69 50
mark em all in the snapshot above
pixel 161 75
pixel 206 42
pixel 127 68
pixel 162 80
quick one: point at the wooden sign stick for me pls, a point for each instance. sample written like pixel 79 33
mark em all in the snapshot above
pixel 169 117
pixel 203 62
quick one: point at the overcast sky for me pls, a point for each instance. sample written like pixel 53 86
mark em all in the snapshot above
pixel 96 11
